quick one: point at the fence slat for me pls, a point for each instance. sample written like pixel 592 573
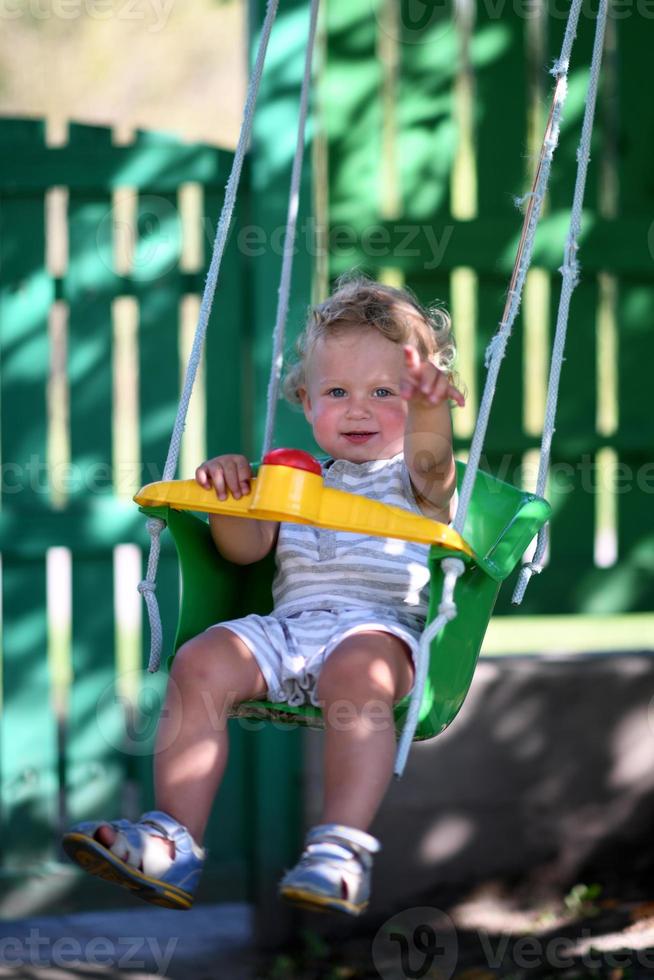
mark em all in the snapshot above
pixel 352 115
pixel 633 579
pixel 156 161
pixel 158 240
pixel 426 138
pixel 28 760
pixel 94 769
pixel 501 113
pixel 229 397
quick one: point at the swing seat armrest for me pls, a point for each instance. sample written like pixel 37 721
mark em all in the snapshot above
pixel 501 522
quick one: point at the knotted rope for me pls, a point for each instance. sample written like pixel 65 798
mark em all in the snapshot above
pixel 454 568
pixel 570 278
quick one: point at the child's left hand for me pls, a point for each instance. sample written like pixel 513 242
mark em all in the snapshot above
pixel 422 381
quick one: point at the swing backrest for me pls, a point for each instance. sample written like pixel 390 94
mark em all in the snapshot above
pixel 501 522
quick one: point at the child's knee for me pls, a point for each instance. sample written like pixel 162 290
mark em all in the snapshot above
pixel 217 663
pixel 367 665
pixel 194 661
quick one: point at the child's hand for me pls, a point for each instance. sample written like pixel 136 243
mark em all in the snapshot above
pixel 423 381
pixel 225 473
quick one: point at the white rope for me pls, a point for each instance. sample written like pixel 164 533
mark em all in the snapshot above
pixel 452 568
pixel 570 278
pixel 497 346
pixel 494 355
pixel 289 241
pixel 155 526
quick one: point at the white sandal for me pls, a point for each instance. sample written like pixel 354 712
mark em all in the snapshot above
pixel 333 872
pixel 136 862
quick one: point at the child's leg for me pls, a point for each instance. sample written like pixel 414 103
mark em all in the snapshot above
pixel 361 680
pixel 358 685
pixel 210 673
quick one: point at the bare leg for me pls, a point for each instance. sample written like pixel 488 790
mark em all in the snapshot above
pixel 361 680
pixel 210 673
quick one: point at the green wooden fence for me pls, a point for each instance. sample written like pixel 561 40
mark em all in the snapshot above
pixel 425 129
pixel 433 115
pixel 103 252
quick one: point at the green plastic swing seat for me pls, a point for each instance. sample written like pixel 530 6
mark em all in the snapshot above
pixel 501 522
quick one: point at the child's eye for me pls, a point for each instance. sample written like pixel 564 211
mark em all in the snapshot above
pixel 336 392
pixel 383 392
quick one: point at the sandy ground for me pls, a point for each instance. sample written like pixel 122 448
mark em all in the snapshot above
pixel 495 932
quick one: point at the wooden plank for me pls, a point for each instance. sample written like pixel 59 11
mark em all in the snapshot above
pixel 160 292
pixel 636 469
pixel 158 339
pixel 26 292
pixel 155 161
pixel 500 93
pixel 94 764
pixel 28 750
pixel 489 244
pixel 426 138
pixel 160 289
pixel 352 116
pixel 29 758
pixel 635 116
pixel 633 579
pixel 88 526
pixel 94 769
pixel 228 396
pixel 505 424
pixel 274 140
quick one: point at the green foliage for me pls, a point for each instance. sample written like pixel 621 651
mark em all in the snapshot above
pixel 582 900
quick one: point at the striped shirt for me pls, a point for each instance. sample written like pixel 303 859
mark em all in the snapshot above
pixel 323 569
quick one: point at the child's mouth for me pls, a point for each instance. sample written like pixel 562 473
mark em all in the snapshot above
pixel 358 436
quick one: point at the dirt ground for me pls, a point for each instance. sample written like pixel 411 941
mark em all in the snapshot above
pixel 498 930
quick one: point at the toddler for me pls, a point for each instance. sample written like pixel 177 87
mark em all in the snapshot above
pixel 374 380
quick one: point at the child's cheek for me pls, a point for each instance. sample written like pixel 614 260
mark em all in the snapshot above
pixel 397 413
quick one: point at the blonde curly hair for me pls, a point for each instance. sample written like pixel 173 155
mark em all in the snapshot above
pixel 361 302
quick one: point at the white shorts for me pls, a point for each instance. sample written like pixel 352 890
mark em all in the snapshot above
pixel 291 650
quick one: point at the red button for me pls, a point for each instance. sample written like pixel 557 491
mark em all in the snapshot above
pixel 296 458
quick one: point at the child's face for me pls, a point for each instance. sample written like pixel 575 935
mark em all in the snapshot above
pixel 352 398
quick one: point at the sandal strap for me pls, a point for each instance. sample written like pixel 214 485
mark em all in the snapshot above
pixel 170 829
pixel 356 842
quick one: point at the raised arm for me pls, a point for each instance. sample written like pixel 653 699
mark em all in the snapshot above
pixel 238 539
pixel 428 434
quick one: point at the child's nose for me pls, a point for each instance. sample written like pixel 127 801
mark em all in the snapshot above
pixel 358 408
